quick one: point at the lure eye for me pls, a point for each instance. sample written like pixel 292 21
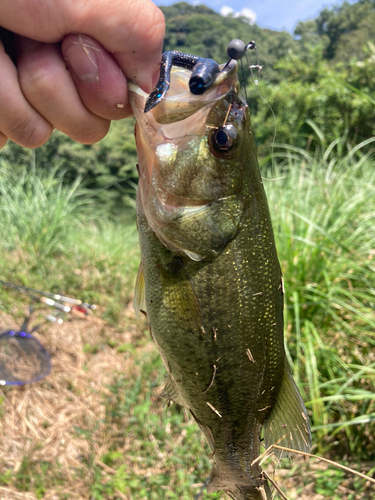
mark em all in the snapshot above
pixel 223 140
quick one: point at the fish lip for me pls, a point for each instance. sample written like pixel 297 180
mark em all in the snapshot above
pixel 227 70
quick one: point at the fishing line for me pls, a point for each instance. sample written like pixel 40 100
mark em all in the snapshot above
pixel 236 49
pixel 252 46
pixel 256 83
pixel 243 80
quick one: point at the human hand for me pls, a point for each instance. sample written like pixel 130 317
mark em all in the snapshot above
pixel 101 42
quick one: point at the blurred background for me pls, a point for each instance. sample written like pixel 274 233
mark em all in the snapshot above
pixel 95 428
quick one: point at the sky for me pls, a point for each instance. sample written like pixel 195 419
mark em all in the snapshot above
pixel 273 14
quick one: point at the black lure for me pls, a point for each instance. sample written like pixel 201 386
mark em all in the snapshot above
pixel 204 71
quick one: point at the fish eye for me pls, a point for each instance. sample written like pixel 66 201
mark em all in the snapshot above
pixel 223 140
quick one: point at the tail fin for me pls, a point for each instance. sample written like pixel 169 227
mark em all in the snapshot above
pixel 288 423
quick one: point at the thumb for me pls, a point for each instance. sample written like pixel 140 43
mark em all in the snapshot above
pixel 133 31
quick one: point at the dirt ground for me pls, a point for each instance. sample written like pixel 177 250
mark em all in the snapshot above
pixel 39 422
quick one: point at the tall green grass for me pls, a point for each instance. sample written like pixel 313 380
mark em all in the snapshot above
pixel 55 236
pixel 39 210
pixel 323 209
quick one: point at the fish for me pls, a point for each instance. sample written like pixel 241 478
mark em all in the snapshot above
pixel 210 281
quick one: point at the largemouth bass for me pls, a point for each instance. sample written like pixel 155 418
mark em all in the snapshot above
pixel 210 280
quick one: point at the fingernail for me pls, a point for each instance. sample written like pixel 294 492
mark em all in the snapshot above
pixel 144 80
pixel 82 60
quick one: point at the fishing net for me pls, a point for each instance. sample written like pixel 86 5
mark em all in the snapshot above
pixel 23 359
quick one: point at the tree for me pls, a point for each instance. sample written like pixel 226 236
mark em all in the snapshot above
pixel 336 26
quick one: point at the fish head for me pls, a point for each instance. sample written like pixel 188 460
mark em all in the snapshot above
pixel 193 152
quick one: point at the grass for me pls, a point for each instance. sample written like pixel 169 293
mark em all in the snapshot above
pixel 325 206
pixel 37 211
pixel 54 237
pixel 96 428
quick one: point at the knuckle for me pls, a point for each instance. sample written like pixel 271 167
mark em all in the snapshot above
pixel 38 83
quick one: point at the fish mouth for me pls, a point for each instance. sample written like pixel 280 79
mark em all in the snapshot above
pixel 180 103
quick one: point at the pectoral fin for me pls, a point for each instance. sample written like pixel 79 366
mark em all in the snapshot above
pixel 179 296
pixel 288 423
pixel 139 302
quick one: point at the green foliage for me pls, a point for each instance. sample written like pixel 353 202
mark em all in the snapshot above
pixel 35 475
pixel 201 31
pixel 336 98
pixel 109 165
pixel 39 211
pixel 51 228
pixel 344 28
pixel 352 45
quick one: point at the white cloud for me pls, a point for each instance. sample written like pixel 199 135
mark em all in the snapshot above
pixel 225 10
pixel 247 13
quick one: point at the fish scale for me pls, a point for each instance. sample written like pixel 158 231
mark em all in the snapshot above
pixel 210 280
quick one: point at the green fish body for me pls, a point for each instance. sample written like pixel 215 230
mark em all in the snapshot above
pixel 210 280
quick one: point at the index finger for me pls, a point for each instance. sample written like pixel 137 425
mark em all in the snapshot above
pixel 132 30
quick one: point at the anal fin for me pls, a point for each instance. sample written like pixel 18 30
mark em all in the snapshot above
pixel 288 423
pixel 170 391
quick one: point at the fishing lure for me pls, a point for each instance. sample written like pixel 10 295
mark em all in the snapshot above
pixel 204 71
